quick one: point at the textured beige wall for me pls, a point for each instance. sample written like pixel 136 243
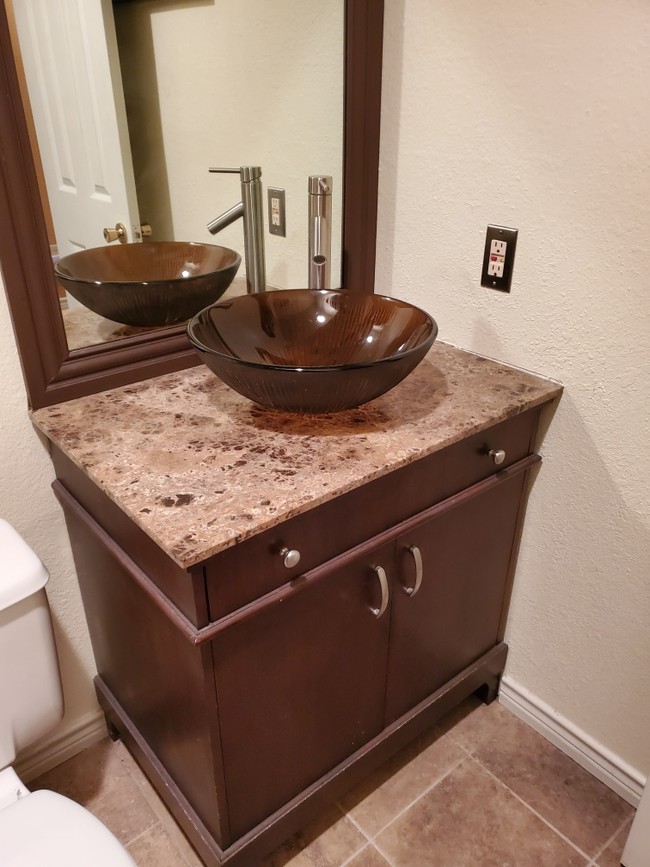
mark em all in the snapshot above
pixel 27 502
pixel 536 116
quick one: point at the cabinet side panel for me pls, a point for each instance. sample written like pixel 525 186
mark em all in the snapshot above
pixel 156 674
pixel 185 589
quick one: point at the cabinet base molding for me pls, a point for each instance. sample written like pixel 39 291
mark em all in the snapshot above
pixel 275 829
pixel 606 766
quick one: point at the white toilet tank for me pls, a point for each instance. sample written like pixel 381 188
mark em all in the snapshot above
pixel 30 685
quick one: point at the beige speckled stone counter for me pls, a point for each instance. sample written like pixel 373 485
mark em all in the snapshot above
pixel 200 468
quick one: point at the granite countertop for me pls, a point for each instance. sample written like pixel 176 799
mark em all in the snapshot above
pixel 200 468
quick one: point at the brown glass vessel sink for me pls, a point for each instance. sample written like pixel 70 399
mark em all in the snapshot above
pixel 313 351
pixel 152 284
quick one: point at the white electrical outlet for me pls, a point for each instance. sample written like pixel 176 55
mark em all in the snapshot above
pixel 498 257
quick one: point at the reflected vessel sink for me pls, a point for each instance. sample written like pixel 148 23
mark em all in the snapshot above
pixel 304 350
pixel 152 284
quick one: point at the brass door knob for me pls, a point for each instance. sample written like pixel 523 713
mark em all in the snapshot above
pixel 116 234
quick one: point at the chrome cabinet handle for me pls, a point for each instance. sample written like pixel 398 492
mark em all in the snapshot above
pixel 290 557
pixel 383 583
pixel 417 557
pixel 497 455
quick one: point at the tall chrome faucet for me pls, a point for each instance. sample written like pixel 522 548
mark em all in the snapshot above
pixel 250 208
pixel 320 231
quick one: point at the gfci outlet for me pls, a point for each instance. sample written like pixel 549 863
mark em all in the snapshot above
pixel 499 257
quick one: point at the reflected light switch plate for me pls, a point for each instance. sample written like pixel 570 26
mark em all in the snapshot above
pixel 276 212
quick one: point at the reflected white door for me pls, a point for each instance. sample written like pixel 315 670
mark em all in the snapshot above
pixel 69 52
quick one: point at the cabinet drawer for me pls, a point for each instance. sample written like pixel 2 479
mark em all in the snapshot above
pixel 246 571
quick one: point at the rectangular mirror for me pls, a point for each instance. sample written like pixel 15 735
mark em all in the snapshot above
pixel 61 368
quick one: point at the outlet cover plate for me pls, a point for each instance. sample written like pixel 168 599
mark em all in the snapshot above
pixel 502 279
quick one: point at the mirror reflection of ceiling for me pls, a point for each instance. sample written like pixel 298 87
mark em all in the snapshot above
pixel 186 84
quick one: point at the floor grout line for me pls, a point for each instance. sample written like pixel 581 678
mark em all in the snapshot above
pixel 424 792
pixel 609 842
pixel 142 834
pixel 371 843
pixel 383 854
pixel 345 815
pixel 164 818
pixel 368 845
pixel 359 828
pixel 468 753
pixel 559 833
pixel 356 851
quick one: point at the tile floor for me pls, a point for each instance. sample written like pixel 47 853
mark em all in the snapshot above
pixel 481 789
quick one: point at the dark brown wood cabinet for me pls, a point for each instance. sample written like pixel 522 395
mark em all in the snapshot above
pixel 300 685
pixel 251 693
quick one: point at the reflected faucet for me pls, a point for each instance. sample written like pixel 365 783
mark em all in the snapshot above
pixel 250 208
pixel 320 231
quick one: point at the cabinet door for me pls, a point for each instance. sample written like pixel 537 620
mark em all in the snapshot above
pixel 458 559
pixel 300 685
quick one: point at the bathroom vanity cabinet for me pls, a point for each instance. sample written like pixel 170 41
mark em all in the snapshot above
pixel 254 690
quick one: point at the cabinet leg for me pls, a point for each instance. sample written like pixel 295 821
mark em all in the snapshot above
pixel 113 732
pixel 488 691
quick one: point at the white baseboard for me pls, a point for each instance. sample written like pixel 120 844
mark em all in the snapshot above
pixel 607 767
pixel 52 751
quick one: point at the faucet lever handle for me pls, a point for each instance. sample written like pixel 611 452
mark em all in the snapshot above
pixel 247 173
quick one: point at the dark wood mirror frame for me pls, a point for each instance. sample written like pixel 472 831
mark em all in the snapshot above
pixel 53 373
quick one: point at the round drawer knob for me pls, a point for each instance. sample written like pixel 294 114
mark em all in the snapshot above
pixel 290 557
pixel 497 455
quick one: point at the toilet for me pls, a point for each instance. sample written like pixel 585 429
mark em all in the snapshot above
pixel 38 829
